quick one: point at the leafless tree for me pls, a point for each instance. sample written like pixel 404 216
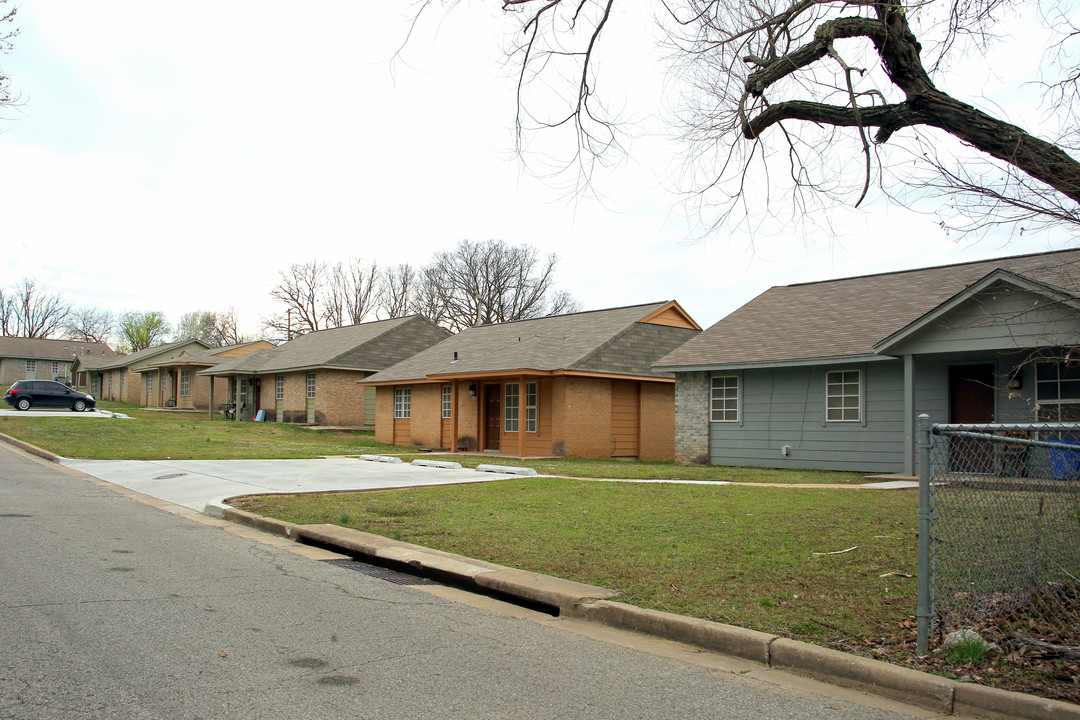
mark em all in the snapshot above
pixel 89 324
pixel 351 292
pixel 27 312
pixel 478 283
pixel 398 287
pixel 226 329
pixel 7 38
pixel 300 290
pixel 797 104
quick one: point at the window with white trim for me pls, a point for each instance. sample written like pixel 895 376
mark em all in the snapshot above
pixel 447 401
pixel 149 385
pixel 531 397
pixel 725 399
pixel 31 366
pixel 185 383
pixel 510 407
pixel 1057 392
pixel 843 396
pixel 310 383
pixel 279 387
pixel 402 402
pixel 55 368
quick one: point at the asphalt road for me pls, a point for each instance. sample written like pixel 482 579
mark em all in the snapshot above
pixel 110 608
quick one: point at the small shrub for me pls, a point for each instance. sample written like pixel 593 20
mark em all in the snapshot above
pixel 966 651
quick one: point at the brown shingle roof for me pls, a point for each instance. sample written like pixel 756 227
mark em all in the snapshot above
pixel 37 349
pixel 610 341
pixel 846 317
pixel 367 346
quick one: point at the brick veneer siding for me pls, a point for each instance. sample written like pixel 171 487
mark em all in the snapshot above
pixel 692 418
pixel 384 414
pixel 588 417
pixel 338 399
pixel 426 427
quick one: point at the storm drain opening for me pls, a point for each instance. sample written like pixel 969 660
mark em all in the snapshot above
pixel 405 574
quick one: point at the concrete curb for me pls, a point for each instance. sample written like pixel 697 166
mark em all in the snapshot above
pixel 589 602
pixel 507 469
pixel 32 449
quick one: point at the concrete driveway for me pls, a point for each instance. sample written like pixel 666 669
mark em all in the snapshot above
pixel 200 483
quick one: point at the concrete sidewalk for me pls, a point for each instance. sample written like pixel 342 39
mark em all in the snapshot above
pixel 197 484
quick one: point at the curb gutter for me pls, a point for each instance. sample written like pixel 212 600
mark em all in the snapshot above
pixel 32 449
pixel 589 602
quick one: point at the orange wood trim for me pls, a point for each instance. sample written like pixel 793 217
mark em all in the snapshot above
pixel 671 314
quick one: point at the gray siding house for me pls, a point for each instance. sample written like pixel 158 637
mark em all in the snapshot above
pixel 832 375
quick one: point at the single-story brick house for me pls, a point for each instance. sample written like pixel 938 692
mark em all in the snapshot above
pixel 174 382
pixel 37 359
pixel 833 374
pixel 117 378
pixel 579 384
pixel 312 379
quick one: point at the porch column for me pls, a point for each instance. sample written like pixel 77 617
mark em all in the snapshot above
pixel 521 417
pixel 210 409
pixel 909 414
pixel 453 415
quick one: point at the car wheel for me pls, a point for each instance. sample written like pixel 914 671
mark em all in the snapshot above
pixel 78 405
pixel 23 404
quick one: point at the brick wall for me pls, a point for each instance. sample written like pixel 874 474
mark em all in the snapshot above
pixel 588 417
pixel 468 408
pixel 338 399
pixel 692 418
pixel 657 434
pixel 426 428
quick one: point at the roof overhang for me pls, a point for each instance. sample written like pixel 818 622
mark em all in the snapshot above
pixel 511 374
pixel 798 362
pixel 891 342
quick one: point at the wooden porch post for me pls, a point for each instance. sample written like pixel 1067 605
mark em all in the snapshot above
pixel 210 409
pixel 453 416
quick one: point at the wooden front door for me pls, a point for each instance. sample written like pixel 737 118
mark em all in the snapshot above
pixel 492 416
pixel 971 402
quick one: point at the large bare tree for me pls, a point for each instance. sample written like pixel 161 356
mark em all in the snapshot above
pixel 300 290
pixel 788 105
pixel 25 311
pixel 351 293
pixel 89 324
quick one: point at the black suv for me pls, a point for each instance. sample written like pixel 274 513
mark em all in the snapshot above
pixel 25 394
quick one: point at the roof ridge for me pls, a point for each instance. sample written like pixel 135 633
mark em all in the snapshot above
pixel 969 263
pixel 564 315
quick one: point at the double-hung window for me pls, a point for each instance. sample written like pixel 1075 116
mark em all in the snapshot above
pixel 447 401
pixel 310 385
pixel 725 398
pixel 843 396
pixel 31 366
pixel 55 368
pixel 149 385
pixel 510 407
pixel 402 402
pixel 279 387
pixel 530 407
pixel 185 383
pixel 1057 392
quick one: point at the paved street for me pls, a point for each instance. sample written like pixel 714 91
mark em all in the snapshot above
pixel 110 608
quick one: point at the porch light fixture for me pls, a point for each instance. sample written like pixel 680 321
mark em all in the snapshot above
pixel 472 390
pixel 1015 381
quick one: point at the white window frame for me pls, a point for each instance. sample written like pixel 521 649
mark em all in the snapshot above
pixel 185 382
pixel 838 387
pixel 1048 392
pixel 31 366
pixel 532 403
pixel 730 398
pixel 56 368
pixel 447 402
pixel 402 403
pixel 309 384
pixel 279 387
pixel 149 385
pixel 511 407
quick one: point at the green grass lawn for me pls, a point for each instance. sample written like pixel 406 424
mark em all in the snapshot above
pixel 753 557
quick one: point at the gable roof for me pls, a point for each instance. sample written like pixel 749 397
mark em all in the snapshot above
pixel 368 346
pixel 613 341
pixel 206 357
pixel 848 318
pixel 123 361
pixel 39 349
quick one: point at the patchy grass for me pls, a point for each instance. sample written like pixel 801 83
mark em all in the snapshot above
pixel 748 556
pixel 188 436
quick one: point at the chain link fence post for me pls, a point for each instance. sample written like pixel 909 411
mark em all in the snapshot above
pixel 925 611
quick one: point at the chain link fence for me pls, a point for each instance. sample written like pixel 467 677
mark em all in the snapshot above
pixel 1000 509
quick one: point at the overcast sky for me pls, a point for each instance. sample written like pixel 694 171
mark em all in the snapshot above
pixel 175 157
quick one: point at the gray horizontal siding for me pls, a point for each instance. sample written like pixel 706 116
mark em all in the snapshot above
pixel 786 406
